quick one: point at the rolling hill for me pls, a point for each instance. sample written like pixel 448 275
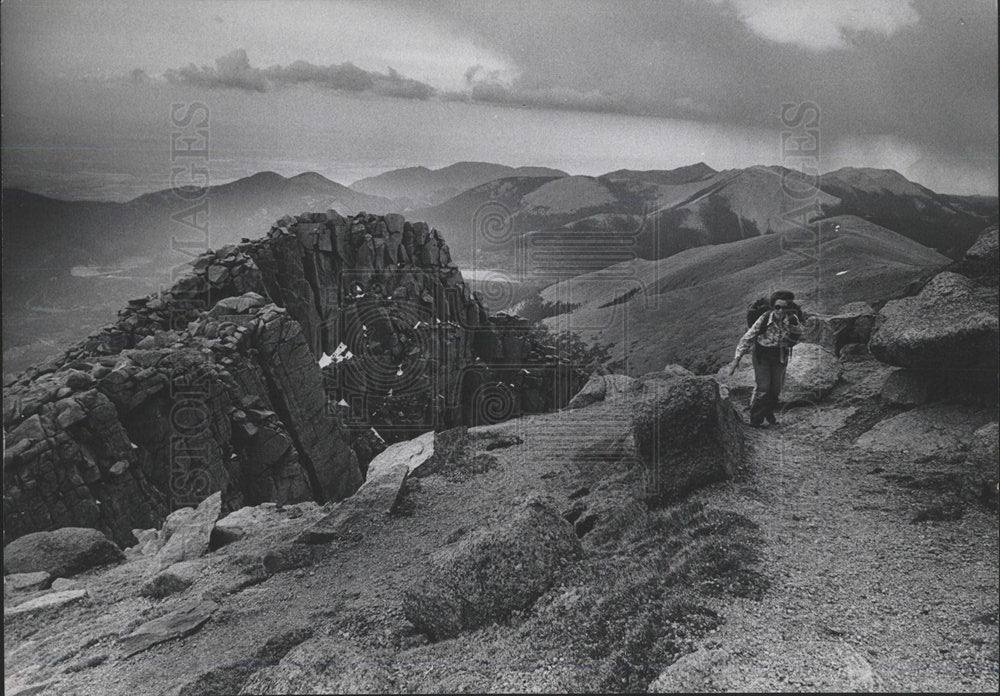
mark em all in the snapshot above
pixel 688 308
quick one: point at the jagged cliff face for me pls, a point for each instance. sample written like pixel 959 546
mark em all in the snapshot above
pixel 262 374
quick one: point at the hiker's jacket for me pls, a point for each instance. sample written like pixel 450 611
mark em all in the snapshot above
pixel 769 331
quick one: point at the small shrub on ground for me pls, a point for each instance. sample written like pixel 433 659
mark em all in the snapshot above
pixel 641 604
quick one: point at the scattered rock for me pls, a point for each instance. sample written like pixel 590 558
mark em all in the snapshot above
pixel 379 494
pixel 411 453
pixel 191 538
pixel 855 352
pixel 853 323
pixel 177 624
pixel 986 248
pixel 229 678
pixel 61 553
pixel 49 600
pixel 288 557
pixel 177 578
pixel 602 387
pixel 60 584
pixel 829 666
pixel 27 582
pixel 489 574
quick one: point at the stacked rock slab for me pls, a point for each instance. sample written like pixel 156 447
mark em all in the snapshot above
pixel 216 384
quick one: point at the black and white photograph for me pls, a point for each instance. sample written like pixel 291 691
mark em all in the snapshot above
pixel 525 346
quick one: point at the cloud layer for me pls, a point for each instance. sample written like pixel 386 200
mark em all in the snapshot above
pixel 821 26
pixel 233 71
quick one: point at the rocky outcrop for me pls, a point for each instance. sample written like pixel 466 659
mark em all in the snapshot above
pixel 489 574
pixel 687 435
pixel 238 409
pixel 950 325
pixel 60 553
pixel 261 375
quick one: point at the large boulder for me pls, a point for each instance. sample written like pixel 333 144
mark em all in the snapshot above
pixel 811 375
pixel 686 433
pixel 950 325
pixel 60 553
pixel 489 574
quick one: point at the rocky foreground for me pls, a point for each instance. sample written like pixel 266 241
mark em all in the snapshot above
pixel 638 538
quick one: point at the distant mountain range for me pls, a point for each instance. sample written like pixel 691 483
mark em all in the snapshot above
pixel 69 265
pixel 665 212
pixel 420 186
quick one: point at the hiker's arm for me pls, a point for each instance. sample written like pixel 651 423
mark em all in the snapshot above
pixel 746 343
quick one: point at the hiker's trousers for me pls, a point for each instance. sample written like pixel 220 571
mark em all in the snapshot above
pixel 769 375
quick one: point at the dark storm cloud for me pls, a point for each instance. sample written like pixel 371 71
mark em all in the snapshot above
pixel 921 71
pixel 234 71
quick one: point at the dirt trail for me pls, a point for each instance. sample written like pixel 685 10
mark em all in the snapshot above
pixel 861 597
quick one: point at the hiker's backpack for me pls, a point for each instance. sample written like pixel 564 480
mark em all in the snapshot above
pixel 756 309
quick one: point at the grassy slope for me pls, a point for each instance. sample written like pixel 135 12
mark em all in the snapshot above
pixel 690 307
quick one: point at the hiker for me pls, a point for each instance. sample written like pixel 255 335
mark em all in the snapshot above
pixel 771 337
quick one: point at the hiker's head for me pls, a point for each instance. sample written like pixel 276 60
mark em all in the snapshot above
pixel 782 305
pixel 786 296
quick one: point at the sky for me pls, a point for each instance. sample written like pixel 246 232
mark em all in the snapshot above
pixel 350 89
